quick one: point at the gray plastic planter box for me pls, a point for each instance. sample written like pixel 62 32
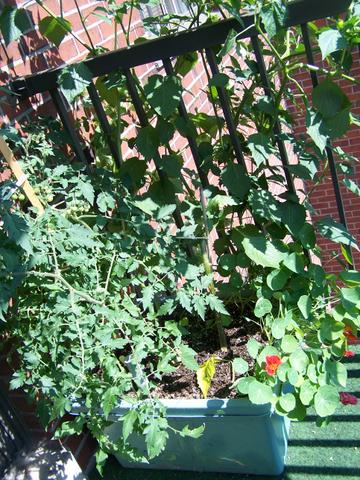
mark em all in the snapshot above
pixel 239 437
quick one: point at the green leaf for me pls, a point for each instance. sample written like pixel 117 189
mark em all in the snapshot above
pixel 109 400
pixel 243 384
pixel 307 392
pixel 262 307
pixel 277 279
pixel 147 206
pixel 337 372
pixel 259 393
pixel 192 432
pixel 205 375
pixel 331 329
pixel 329 99
pixel 73 80
pixel 260 147
pixel 216 304
pixel 87 190
pixel 263 252
pixel 105 202
pixel 101 456
pixel 352 186
pixel 304 304
pixel 148 142
pixel 165 211
pixel 294 262
pixel 273 16
pixel 293 216
pixel 350 277
pixel 350 297
pixel 253 347
pixel 316 128
pixel 54 29
pixel 289 344
pixel 219 80
pixel 326 400
pixel 156 439
pixel 17 230
pixel 188 357
pixel 14 22
pixel 278 327
pixel 147 296
pixel 128 420
pixel 307 236
pixel 264 205
pixel 236 180
pixel 336 232
pixel 229 44
pixel 331 41
pixel 163 93
pixel 299 360
pixel 184 300
pixel 287 402
pixel 240 366
pixel 18 380
pixel 185 63
pixel 199 306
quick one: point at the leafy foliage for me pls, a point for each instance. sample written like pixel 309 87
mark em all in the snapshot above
pixel 104 288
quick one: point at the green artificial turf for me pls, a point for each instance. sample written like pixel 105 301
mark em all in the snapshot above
pixel 328 453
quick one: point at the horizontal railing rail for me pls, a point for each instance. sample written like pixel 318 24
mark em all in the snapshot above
pixel 207 36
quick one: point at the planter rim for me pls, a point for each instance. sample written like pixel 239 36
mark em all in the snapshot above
pixel 184 407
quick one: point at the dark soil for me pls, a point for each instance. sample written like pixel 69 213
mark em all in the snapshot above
pixel 204 340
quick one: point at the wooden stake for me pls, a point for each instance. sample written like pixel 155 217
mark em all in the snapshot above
pixel 19 174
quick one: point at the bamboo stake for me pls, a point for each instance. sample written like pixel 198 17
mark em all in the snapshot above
pixel 19 174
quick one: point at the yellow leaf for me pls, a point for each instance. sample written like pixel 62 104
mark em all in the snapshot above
pixel 205 374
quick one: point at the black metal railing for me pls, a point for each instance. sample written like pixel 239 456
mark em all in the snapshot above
pixel 164 49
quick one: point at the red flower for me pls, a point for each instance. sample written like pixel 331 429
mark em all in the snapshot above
pixel 349 353
pixel 348 399
pixel 348 333
pixel 272 364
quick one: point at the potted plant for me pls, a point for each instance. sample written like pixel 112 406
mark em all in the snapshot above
pixel 227 323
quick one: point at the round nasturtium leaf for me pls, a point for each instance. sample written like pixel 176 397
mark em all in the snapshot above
pixel 240 366
pixel 326 400
pixel 243 384
pixel 277 279
pixel 287 402
pixel 299 360
pixel 307 392
pixel 289 344
pixel 262 307
pixel 259 393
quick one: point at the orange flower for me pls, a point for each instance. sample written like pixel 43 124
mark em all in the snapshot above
pixel 348 333
pixel 272 364
pixel 349 353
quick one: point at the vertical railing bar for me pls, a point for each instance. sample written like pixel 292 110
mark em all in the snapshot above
pixel 68 123
pixel 101 115
pixel 140 112
pixel 225 105
pixel 192 143
pixel 135 98
pixel 309 53
pixel 277 130
pixel 328 149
